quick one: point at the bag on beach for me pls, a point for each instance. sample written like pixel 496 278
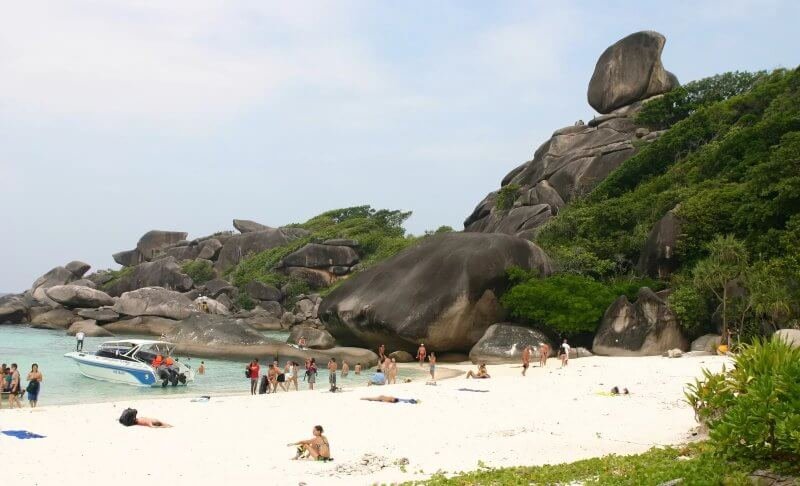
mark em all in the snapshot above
pixel 128 417
pixel 247 372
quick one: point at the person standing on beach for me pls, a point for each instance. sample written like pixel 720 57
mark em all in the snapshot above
pixel 79 340
pixel 35 378
pixel 291 374
pixel 544 353
pixel 255 371
pixel 392 376
pixel 14 389
pixel 311 371
pixel 421 353
pixel 332 367
pixel 381 352
pixel 432 363
pixel 564 353
pixel 345 369
pixel 526 359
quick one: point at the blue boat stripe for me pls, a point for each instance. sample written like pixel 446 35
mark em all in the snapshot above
pixel 144 377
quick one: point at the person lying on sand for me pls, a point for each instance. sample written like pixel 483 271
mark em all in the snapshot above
pixel 151 422
pixel 316 449
pixel 388 399
pixel 482 373
pixel 615 391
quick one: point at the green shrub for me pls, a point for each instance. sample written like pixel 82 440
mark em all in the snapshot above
pixel 116 275
pixel 201 271
pixel 506 197
pixel 753 409
pixel 681 102
pixel 567 303
pixel 243 301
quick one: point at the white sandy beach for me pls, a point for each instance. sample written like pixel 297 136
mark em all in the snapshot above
pixel 551 416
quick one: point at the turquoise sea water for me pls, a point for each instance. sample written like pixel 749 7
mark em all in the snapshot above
pixel 63 384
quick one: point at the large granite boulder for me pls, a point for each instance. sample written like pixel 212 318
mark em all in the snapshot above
pixel 101 315
pixel 209 249
pixel 647 327
pixel 402 356
pixel 77 296
pixel 314 277
pixel 149 246
pixel 56 276
pixel 504 343
pixel 84 282
pixel 216 287
pixel 143 325
pixel 55 318
pixel 164 273
pixel 238 247
pixel 791 336
pixel 13 309
pixel 707 343
pixel 155 301
pixel 89 327
pixel 261 320
pixel 248 226
pixel 443 292
pixel 315 338
pixel 210 330
pixel 78 268
pixel 630 70
pixel 658 258
pixel 314 255
pixel 213 306
pixel 261 291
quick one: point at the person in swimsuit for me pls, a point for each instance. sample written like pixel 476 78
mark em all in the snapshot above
pixel 301 342
pixel 526 359
pixel 317 449
pixel 312 373
pixel 332 367
pixel 14 390
pixel 481 374
pixel 202 369
pixel 381 352
pixel 432 362
pixel 273 375
pixel 345 369
pixel 544 353
pixel 290 371
pixel 151 422
pixel 357 369
pixel 35 378
pixel 388 399
pixel 392 376
pixel 421 353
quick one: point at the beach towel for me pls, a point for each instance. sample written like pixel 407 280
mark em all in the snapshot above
pixel 22 434
pixel 473 390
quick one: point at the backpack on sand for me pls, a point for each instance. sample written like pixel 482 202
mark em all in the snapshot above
pixel 128 417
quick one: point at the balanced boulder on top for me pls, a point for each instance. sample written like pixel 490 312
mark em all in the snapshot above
pixel 630 70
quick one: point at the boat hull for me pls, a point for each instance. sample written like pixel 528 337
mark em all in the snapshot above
pixel 116 371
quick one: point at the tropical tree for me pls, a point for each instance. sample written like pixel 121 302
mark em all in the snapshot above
pixel 726 262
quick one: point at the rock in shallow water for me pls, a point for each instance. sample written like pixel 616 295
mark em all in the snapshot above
pixel 504 343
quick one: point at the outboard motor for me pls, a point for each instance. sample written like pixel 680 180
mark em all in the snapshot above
pixel 173 377
pixel 182 378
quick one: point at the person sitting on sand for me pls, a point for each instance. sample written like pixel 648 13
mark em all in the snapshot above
pixel 615 391
pixel 316 449
pixel 544 353
pixel 378 378
pixel 481 374
pixel 357 369
pixel 388 399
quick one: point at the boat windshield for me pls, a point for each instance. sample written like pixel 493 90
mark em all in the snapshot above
pixel 114 350
pixel 148 352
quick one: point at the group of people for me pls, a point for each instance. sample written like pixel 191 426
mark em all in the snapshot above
pixel 288 376
pixel 11 385
pixel 544 353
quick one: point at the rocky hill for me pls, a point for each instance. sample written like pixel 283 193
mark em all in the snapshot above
pixel 612 234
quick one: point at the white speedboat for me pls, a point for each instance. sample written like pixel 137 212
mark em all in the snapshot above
pixel 130 361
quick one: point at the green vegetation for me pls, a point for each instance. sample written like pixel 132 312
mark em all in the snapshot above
pixel 506 196
pixel 567 303
pixel 681 102
pixel 729 166
pixel 201 271
pixel 380 235
pixel 116 275
pixel 753 409
pixel 693 464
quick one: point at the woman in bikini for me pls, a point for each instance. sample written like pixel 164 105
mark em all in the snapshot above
pixel 316 449
pixel 482 373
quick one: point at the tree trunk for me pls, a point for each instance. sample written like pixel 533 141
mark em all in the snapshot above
pixel 725 336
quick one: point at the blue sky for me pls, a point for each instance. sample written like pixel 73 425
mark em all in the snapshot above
pixel 117 117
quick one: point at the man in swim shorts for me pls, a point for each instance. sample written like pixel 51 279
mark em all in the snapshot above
pixel 332 367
